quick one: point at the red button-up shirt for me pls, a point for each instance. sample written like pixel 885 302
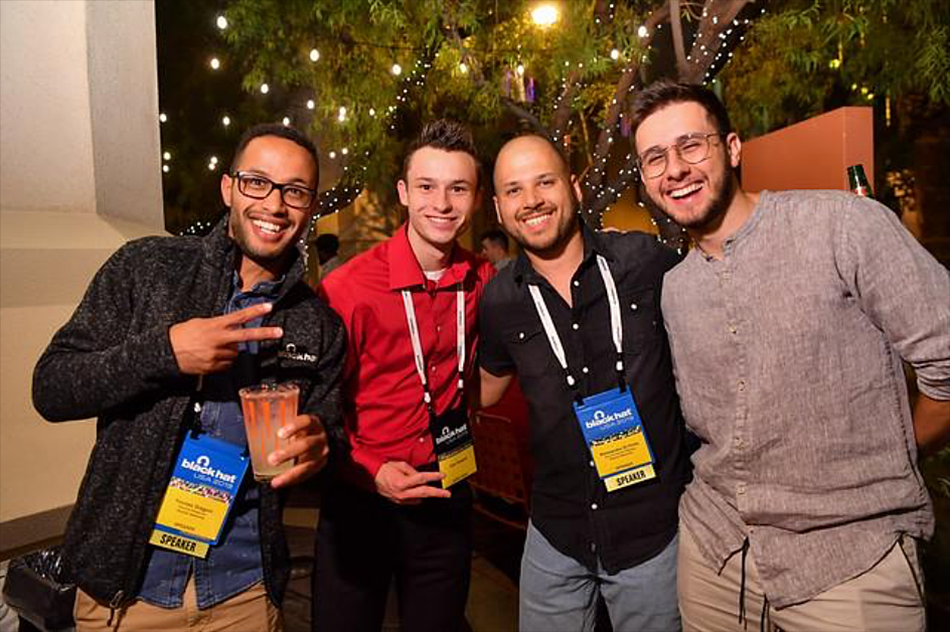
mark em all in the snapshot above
pixel 386 418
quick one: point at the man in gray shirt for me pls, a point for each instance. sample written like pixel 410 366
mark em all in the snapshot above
pixel 788 323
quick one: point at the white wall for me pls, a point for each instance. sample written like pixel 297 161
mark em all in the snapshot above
pixel 80 174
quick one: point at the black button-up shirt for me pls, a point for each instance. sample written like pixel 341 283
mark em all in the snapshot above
pixel 570 503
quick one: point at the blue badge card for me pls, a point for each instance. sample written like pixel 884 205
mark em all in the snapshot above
pixel 616 437
pixel 207 475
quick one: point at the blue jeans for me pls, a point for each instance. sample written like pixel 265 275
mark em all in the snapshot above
pixel 560 593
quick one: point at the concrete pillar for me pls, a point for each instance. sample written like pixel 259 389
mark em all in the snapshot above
pixel 80 175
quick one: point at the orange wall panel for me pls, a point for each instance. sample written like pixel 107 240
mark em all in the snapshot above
pixel 813 154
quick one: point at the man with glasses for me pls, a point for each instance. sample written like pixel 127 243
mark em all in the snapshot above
pixel 789 322
pixel 577 317
pixel 410 307
pixel 168 331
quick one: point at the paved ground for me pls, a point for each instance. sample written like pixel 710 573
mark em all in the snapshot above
pixel 492 600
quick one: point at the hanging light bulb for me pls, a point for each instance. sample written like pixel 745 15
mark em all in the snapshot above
pixel 545 15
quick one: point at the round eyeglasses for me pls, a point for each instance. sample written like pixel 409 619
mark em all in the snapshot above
pixel 258 187
pixel 691 148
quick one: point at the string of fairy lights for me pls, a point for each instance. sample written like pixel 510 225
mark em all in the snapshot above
pixel 519 85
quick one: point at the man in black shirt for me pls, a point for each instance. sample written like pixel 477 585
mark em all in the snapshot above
pixel 577 317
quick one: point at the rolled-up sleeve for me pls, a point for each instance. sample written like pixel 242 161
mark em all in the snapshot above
pixel 903 290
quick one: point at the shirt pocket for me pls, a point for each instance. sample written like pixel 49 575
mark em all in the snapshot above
pixel 530 350
pixel 642 321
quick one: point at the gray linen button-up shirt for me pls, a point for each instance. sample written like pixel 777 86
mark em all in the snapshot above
pixel 787 355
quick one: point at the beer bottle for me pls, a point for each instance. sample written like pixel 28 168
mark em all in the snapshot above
pixel 858 182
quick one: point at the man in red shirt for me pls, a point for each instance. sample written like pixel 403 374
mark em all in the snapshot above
pixel 387 514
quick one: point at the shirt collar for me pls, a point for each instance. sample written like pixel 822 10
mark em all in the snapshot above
pixel 728 244
pixel 593 245
pixel 405 271
pixel 221 250
pixel 268 289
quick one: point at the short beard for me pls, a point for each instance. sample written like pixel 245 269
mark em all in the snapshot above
pixel 713 216
pixel 553 249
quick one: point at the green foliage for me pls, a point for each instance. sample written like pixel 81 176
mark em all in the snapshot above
pixel 807 56
pixel 360 40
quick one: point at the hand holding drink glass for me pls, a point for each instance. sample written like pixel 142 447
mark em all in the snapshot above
pixel 267 408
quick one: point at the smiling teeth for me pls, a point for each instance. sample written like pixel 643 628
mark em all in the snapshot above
pixel 534 221
pixel 267 227
pixel 685 190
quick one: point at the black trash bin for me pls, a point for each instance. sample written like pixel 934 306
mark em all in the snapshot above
pixel 38 590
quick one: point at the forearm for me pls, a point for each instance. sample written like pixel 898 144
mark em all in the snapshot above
pixel 72 382
pixel 492 387
pixel 931 423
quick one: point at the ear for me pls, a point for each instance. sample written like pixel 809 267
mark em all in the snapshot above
pixel 226 189
pixel 403 192
pixel 497 208
pixel 576 186
pixel 734 149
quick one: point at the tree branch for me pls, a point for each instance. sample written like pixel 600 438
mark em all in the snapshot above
pixel 562 115
pixel 595 177
pixel 716 18
pixel 676 23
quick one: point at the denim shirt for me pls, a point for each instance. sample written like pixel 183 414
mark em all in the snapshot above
pixel 234 564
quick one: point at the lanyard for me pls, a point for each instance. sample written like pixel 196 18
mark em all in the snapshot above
pixel 417 344
pixel 616 324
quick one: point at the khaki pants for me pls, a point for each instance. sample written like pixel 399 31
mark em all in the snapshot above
pixel 886 598
pixel 249 611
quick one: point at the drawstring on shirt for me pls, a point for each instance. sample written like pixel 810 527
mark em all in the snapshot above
pixel 766 607
pixel 766 614
pixel 742 617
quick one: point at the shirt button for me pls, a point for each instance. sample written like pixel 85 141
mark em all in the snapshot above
pixel 520 335
pixel 592 463
pixel 740 488
pixel 577 283
pixel 738 442
pixel 593 506
pixel 741 385
pixel 633 306
pixel 575 326
pixel 585 370
pixel 422 439
pixel 732 329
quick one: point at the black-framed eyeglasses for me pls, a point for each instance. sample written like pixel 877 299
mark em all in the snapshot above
pixel 256 186
pixel 691 148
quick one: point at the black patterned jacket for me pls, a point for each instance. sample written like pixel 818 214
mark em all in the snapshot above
pixel 113 360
